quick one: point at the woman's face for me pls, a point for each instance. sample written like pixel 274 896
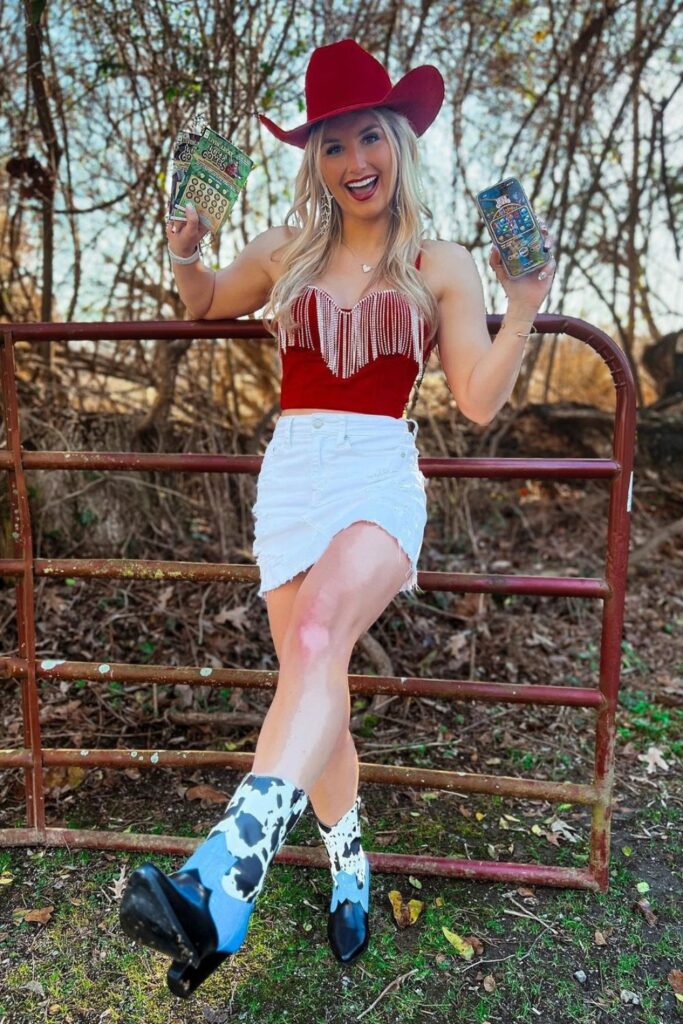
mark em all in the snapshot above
pixel 355 149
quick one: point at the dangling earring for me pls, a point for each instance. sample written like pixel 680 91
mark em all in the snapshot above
pixel 325 211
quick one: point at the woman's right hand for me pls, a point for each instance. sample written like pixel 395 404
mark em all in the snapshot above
pixel 184 235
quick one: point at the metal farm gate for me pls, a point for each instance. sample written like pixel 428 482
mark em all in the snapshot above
pixel 34 758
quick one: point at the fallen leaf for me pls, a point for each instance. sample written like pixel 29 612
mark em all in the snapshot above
pixel 238 616
pixel 387 839
pixel 600 939
pixel 119 883
pixel 456 643
pixel 654 760
pixel 565 830
pixel 40 916
pixel 465 811
pixel 489 983
pixel 476 944
pixel 203 792
pixel 627 851
pixel 415 882
pixel 164 597
pixel 59 778
pixel 479 815
pixel 675 979
pixel 642 887
pixel 460 945
pixel 438 902
pixel 6 878
pixel 523 891
pixel 406 912
pixel 645 907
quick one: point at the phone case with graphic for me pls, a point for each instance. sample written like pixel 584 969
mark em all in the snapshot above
pixel 513 227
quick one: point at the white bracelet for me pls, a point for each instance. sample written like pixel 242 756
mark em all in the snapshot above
pixel 192 258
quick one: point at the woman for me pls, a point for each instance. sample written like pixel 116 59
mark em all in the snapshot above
pixel 358 298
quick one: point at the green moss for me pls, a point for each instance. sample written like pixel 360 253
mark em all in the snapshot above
pixel 286 972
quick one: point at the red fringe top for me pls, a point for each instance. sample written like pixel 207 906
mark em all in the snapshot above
pixel 361 359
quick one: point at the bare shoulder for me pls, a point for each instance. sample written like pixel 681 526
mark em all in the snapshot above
pixel 268 246
pixel 245 284
pixel 444 264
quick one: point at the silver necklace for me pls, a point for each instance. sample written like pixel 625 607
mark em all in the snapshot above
pixel 367 267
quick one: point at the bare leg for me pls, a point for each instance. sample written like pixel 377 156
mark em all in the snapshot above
pixel 339 599
pixel 309 712
pixel 337 785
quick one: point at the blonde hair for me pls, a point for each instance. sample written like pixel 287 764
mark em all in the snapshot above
pixel 306 257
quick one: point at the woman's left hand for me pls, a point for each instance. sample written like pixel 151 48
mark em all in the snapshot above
pixel 526 291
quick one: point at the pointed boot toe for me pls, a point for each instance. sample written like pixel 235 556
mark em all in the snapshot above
pixel 168 913
pixel 348 931
pixel 348 924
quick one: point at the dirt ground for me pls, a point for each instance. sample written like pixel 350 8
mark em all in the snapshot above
pixel 542 954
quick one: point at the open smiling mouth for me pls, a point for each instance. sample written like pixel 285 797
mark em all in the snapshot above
pixel 365 188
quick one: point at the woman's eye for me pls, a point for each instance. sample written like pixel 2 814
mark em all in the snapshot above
pixel 372 136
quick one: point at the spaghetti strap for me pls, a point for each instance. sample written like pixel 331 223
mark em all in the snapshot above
pixel 417 261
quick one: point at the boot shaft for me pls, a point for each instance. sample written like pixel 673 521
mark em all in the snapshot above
pixel 343 843
pixel 262 812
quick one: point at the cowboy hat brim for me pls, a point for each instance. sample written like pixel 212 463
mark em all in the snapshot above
pixel 418 95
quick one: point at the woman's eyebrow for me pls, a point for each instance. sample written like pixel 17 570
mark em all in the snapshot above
pixel 361 132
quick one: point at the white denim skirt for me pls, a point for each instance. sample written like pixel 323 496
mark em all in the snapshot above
pixel 323 471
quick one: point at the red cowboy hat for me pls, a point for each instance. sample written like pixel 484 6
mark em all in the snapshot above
pixel 343 76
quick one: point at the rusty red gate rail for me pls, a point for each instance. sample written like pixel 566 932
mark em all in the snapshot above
pixel 34 758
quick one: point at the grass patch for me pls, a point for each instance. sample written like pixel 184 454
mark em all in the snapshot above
pixel 82 968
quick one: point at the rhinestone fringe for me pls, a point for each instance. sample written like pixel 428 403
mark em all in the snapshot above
pixel 382 323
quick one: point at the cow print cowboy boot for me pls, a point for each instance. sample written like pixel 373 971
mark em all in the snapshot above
pixel 347 923
pixel 199 914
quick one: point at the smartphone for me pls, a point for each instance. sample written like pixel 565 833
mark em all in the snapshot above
pixel 513 227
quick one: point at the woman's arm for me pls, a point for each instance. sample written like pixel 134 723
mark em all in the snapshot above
pixel 241 287
pixel 480 373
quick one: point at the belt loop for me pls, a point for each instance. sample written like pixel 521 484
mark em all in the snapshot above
pixel 417 427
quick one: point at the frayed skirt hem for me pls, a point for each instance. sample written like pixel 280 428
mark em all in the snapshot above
pixel 286 574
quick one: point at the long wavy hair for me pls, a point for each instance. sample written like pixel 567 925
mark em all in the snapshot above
pixel 306 257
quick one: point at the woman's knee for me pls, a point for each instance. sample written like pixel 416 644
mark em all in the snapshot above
pixel 313 637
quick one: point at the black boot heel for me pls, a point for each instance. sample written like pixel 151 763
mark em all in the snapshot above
pixel 183 979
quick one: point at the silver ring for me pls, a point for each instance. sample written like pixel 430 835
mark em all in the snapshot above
pixel 542 275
